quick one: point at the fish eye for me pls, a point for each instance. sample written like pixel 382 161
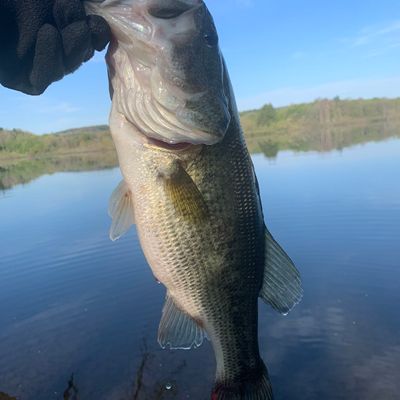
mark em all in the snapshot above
pixel 167 12
pixel 211 39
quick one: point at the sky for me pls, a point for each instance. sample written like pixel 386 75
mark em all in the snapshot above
pixel 277 51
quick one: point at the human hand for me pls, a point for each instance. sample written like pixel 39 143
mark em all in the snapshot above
pixel 43 40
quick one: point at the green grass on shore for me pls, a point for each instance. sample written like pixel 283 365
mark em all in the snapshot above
pixel 321 125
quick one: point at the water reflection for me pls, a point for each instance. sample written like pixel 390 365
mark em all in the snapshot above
pixel 144 386
pixel 149 389
pixel 4 396
pixel 72 301
pixel 23 171
pixel 71 392
pixel 324 139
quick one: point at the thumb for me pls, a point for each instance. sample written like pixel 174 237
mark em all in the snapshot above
pixel 101 32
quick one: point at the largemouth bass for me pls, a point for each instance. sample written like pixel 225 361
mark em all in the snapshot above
pixel 190 187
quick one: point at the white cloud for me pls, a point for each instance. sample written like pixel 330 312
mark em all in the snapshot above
pixel 370 34
pixel 47 113
pixel 62 107
pixel 355 88
pixel 376 40
pixel 40 104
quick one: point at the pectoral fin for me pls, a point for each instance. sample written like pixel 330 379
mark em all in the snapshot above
pixel 282 284
pixel 177 329
pixel 185 196
pixel 121 211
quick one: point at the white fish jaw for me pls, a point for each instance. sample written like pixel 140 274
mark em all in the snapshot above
pixel 152 95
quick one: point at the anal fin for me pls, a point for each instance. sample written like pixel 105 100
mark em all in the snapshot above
pixel 282 284
pixel 177 329
pixel 121 211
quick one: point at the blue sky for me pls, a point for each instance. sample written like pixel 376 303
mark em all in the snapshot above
pixel 277 51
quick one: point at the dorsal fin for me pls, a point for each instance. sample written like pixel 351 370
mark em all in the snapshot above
pixel 282 284
pixel 121 211
pixel 177 329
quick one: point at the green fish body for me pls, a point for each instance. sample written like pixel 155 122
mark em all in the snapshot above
pixel 193 195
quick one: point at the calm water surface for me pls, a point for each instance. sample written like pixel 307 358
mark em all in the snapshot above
pixel 74 303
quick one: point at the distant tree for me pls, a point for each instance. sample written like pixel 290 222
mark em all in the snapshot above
pixel 266 115
pixel 269 148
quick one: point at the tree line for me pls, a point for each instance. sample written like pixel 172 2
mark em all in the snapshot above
pixel 319 125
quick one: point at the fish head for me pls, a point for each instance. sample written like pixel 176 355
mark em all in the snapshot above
pixel 166 69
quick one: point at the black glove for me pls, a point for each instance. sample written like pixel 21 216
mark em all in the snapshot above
pixel 43 40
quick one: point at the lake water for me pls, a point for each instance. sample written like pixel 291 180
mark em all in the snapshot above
pixel 74 304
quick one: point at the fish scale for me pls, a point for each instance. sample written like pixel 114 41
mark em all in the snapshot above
pixel 214 269
pixel 193 272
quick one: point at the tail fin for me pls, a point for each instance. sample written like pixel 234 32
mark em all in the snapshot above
pixel 256 387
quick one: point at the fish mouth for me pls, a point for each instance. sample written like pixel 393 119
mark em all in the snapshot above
pixel 160 143
pixel 172 112
pixel 189 137
pixel 174 147
pixel 169 138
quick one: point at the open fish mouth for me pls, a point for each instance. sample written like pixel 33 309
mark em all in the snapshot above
pixel 159 144
pixel 179 143
pixel 165 69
